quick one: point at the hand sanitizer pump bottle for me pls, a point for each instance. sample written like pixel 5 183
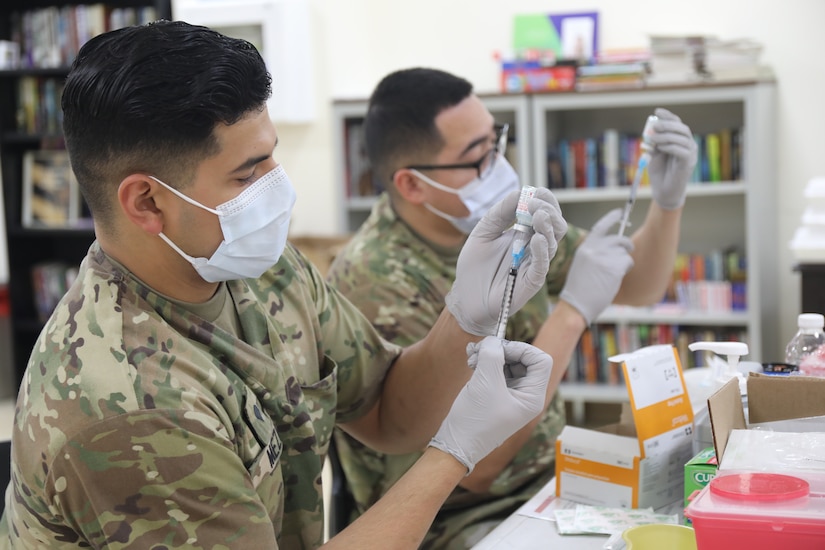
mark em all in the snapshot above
pixel 732 368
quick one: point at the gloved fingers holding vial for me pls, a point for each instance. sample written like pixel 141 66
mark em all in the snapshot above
pixel 485 262
pixel 672 160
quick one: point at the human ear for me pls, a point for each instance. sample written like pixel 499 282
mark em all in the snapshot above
pixel 409 186
pixel 137 197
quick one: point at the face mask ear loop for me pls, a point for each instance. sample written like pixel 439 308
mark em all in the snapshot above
pixel 433 183
pixel 175 247
pixel 187 199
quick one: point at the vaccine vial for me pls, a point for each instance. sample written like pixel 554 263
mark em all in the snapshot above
pixel 524 220
pixel 648 131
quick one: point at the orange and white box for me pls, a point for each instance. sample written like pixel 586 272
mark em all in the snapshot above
pixel 639 462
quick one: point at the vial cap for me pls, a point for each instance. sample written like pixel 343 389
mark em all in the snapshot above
pixel 811 320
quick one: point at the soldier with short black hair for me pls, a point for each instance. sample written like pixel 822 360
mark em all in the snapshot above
pixel 185 389
pixel 439 154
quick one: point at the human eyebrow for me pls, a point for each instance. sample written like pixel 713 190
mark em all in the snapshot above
pixel 476 142
pixel 250 163
pixel 253 161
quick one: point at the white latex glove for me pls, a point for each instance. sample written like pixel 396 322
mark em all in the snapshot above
pixel 484 262
pixel 507 390
pixel 599 265
pixel 672 161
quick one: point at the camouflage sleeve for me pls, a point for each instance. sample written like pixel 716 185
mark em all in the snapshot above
pixel 152 479
pixel 401 301
pixel 398 317
pixel 363 357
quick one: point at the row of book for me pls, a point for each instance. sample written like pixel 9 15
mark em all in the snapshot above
pixel 590 363
pixel 50 281
pixel 611 159
pixel 38 105
pixel 50 37
pixel 628 73
pixel 712 282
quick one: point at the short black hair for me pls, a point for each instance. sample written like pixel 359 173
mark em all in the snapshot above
pixel 400 124
pixel 147 99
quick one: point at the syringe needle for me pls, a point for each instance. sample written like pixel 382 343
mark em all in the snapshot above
pixel 523 229
pixel 647 147
pixel 634 188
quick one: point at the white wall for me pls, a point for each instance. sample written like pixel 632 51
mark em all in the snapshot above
pixel 359 41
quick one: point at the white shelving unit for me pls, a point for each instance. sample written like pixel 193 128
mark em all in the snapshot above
pixel 716 216
pixel 512 109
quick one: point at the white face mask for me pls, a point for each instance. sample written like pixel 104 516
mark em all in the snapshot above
pixel 254 225
pixel 478 196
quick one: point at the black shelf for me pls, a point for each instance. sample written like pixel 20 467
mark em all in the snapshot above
pixel 21 138
pixel 29 246
pixel 34 71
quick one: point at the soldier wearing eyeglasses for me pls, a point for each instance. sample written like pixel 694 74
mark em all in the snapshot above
pixel 441 158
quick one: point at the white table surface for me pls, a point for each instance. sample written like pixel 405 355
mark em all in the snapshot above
pixel 525 532
pixel 521 532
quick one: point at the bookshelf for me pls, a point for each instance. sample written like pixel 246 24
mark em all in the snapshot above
pixel 725 214
pixel 29 122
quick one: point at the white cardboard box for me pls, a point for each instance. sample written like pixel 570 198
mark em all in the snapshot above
pixel 639 462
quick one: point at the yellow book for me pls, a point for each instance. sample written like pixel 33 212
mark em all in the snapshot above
pixel 714 161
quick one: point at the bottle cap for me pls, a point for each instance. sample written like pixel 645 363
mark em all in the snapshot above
pixel 811 320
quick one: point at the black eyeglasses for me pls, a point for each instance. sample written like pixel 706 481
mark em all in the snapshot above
pixel 484 166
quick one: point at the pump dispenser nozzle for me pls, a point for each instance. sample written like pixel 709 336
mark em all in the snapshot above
pixel 733 351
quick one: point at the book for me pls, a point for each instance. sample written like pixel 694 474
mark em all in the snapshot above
pixel 714 161
pixel 610 157
pixel 51 196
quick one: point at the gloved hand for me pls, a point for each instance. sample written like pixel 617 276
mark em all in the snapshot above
pixel 599 265
pixel 484 262
pixel 672 161
pixel 506 391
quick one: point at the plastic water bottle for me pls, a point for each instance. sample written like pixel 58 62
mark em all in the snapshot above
pixel 807 339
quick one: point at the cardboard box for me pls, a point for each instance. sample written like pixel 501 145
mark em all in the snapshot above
pixel 639 462
pixel 770 399
pixel 698 472
pixel 771 496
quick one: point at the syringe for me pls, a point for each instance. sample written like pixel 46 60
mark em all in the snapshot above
pixel 523 228
pixel 644 159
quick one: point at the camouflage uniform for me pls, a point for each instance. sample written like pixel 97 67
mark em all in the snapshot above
pixel 141 424
pixel 399 281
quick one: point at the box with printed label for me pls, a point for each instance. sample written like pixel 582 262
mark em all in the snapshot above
pixel 639 462
pixel 768 491
pixel 698 472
